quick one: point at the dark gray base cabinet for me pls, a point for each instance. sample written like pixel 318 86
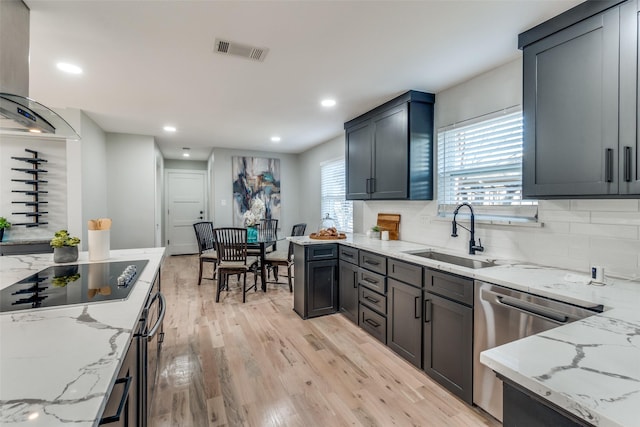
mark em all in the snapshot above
pixel 317 293
pixel 404 318
pixel 122 405
pixel 448 332
pixel 525 409
pixel 348 284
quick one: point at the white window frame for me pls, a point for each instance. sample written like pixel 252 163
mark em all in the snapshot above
pixel 501 203
pixel 333 191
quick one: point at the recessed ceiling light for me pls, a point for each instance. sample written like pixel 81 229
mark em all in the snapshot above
pixel 275 139
pixel 69 68
pixel 169 128
pixel 185 152
pixel 328 102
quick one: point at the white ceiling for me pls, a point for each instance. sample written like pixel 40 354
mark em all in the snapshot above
pixel 151 63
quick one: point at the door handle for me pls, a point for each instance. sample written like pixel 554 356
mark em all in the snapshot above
pixel 427 311
pixel 627 164
pixel 608 166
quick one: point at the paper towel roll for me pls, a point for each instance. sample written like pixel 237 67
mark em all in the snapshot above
pixel 99 244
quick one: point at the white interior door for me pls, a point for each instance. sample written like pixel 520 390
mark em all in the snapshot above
pixel 185 206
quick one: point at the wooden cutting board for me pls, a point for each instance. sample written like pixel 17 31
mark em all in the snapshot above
pixel 391 223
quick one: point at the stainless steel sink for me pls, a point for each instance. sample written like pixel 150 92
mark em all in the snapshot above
pixel 452 259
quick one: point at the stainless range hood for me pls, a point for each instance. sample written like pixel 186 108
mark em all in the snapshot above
pixel 18 113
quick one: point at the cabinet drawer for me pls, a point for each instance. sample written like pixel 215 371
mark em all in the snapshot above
pixel 450 286
pixel 348 254
pixel 373 281
pixel 373 323
pixel 408 273
pixel 320 252
pixel 373 262
pixel 373 299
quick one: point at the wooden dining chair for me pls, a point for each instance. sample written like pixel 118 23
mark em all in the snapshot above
pixel 231 246
pixel 285 258
pixel 206 247
pixel 267 229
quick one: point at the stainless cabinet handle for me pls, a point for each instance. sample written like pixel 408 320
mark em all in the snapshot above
pixel 416 307
pixel 627 164
pixel 163 310
pixel 366 279
pixel 370 262
pixel 373 300
pixel 355 279
pixel 427 311
pixel 347 255
pixel 123 400
pixel 372 323
pixel 608 167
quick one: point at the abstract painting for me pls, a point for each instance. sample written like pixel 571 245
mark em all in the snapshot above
pixel 255 178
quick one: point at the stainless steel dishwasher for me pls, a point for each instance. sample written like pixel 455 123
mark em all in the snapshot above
pixel 502 315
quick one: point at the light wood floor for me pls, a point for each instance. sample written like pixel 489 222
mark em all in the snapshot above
pixel 259 364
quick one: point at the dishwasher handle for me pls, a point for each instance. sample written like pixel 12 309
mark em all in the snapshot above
pixel 163 309
pixel 528 307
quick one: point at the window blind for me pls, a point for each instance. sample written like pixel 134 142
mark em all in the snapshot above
pixel 333 195
pixel 480 162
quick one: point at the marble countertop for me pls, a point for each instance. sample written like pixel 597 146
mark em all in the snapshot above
pixel 58 365
pixel 590 367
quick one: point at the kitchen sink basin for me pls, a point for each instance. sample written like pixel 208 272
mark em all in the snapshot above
pixel 452 259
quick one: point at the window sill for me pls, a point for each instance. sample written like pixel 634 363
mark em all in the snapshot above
pixel 494 221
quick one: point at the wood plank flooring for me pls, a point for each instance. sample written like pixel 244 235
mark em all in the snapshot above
pixel 259 364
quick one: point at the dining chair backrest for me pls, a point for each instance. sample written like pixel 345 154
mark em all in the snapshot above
pixel 204 236
pixel 297 230
pixel 231 244
pixel 268 229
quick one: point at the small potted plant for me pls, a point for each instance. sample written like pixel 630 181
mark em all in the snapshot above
pixel 65 247
pixel 374 233
pixel 3 224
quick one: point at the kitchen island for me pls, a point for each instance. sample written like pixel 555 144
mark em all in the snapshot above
pixel 590 368
pixel 58 365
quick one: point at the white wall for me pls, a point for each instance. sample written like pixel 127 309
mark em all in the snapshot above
pixel 131 175
pixel 93 173
pixel 221 193
pixel 575 233
pixel 55 152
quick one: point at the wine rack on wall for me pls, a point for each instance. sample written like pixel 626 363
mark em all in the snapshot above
pixel 32 208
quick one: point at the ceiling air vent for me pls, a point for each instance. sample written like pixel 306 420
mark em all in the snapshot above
pixel 238 49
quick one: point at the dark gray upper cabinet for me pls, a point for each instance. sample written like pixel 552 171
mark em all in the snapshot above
pixel 389 150
pixel 580 104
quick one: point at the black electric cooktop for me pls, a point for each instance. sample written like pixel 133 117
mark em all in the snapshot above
pixel 72 284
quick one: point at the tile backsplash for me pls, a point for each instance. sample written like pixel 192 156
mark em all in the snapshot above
pixel 571 234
